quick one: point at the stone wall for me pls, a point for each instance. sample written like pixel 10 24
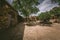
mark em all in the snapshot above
pixel 8 16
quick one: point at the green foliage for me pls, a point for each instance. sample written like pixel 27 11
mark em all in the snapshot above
pixel 44 16
pixel 2 3
pixel 26 7
pixel 56 1
pixel 55 12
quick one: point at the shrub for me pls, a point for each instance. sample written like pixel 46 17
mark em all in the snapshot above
pixel 44 17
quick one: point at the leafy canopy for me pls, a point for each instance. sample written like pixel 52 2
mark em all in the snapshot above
pixel 44 16
pixel 1 3
pixel 26 7
pixel 56 1
pixel 55 12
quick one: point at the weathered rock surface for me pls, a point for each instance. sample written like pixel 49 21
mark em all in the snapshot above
pixel 13 33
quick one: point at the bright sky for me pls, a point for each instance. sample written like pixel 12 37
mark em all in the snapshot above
pixel 45 5
pixel 10 1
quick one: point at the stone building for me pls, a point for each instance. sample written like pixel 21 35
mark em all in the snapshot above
pixel 8 20
pixel 8 15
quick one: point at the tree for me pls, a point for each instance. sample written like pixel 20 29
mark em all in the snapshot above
pixel 56 13
pixel 45 17
pixel 26 7
pixel 56 1
pixel 1 3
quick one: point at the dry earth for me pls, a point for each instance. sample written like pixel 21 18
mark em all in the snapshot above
pixel 42 32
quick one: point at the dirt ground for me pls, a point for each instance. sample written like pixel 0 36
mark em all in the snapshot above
pixel 42 32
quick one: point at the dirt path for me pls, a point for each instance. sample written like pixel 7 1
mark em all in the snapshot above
pixel 42 32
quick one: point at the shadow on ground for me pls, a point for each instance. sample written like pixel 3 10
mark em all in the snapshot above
pixel 13 33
